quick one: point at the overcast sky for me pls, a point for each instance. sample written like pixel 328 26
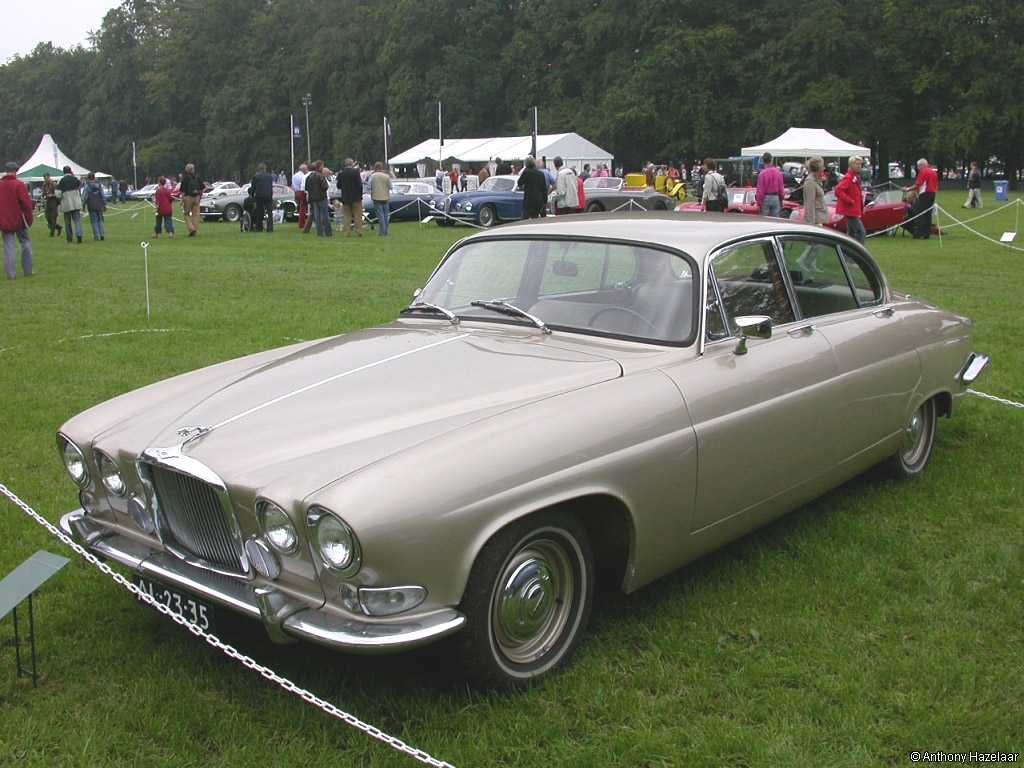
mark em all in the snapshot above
pixel 65 23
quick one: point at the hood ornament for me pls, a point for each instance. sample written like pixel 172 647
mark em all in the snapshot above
pixel 187 434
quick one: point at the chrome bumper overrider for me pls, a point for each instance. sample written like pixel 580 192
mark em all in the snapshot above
pixel 283 618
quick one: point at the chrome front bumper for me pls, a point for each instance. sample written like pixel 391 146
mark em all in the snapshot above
pixel 283 618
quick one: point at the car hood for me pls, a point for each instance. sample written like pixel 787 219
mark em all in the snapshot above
pixel 478 193
pixel 330 408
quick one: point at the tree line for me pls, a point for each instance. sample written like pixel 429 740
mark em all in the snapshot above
pixel 214 82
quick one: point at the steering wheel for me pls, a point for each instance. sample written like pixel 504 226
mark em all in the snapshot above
pixel 628 311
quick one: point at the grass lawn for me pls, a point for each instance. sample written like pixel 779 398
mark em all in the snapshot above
pixel 881 619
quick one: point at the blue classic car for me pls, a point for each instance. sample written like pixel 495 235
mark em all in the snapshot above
pixel 496 201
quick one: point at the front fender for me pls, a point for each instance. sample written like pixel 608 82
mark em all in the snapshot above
pixel 423 515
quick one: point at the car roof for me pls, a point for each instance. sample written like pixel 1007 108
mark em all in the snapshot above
pixel 697 233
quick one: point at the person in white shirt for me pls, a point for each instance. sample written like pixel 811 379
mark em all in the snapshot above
pixel 566 195
pixel 299 188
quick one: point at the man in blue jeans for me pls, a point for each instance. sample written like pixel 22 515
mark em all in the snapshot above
pixel 380 193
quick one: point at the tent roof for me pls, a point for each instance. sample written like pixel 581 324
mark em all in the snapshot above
pixel 48 153
pixel 570 146
pixel 806 142
pixel 35 173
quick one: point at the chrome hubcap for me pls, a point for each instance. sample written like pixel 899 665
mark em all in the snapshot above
pixel 914 437
pixel 533 600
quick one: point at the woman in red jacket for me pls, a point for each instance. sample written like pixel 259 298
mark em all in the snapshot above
pixel 850 200
pixel 164 208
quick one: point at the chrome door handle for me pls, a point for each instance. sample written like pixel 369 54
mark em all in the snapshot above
pixel 805 330
pixel 887 312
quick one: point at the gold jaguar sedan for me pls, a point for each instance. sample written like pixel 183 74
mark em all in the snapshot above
pixel 610 394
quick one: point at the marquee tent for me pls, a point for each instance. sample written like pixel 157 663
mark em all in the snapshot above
pixel 48 158
pixel 572 147
pixel 807 142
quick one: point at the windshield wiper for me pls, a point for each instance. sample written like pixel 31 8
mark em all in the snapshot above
pixel 452 317
pixel 499 305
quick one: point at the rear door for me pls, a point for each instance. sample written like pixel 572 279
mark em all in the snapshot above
pixel 840 290
pixel 765 419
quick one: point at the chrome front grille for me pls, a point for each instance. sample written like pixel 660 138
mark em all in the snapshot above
pixel 193 514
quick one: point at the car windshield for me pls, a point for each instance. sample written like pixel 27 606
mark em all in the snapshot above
pixel 888 197
pixel 603 182
pixel 584 286
pixel 498 184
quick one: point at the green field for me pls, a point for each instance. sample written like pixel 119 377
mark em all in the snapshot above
pixel 881 619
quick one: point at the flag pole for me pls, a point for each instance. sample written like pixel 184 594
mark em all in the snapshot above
pixel 386 164
pixel 291 139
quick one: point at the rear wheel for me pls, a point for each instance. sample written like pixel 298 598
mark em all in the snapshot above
pixel 488 216
pixel 594 208
pixel 527 600
pixel 232 213
pixel 918 438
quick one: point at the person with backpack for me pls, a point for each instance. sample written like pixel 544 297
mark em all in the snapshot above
pixel 96 204
pixel 715 193
pixel 69 190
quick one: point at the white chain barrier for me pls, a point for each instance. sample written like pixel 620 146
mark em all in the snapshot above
pixel 247 661
pixel 973 231
pixel 994 399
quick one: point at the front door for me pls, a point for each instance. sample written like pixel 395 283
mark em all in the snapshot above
pixel 764 420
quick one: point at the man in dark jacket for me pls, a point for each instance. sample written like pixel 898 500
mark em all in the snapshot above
pixel 191 193
pixel 69 190
pixel 262 186
pixel 316 192
pixel 15 219
pixel 534 184
pixel 350 185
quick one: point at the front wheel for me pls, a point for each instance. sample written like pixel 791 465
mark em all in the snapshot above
pixel 918 438
pixel 527 600
pixel 232 213
pixel 488 217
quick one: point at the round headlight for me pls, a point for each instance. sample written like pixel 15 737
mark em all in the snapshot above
pixel 277 527
pixel 110 474
pixel 467 206
pixel 334 541
pixel 74 461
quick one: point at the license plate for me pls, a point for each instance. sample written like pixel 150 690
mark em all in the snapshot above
pixel 198 612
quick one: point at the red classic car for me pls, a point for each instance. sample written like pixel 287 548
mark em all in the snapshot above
pixel 886 209
pixel 742 200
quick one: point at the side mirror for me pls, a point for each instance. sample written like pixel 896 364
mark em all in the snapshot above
pixel 752 327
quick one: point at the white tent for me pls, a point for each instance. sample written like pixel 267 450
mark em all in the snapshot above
pixel 50 155
pixel 807 142
pixel 572 147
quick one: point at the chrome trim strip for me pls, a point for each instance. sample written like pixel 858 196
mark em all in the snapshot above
pixel 366 637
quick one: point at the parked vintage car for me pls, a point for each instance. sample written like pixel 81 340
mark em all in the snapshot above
pixel 143 193
pixel 495 202
pixel 885 210
pixel 608 193
pixel 741 200
pixel 611 395
pixel 410 201
pixel 228 206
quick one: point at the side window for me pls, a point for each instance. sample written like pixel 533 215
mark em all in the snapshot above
pixel 819 280
pixel 750 283
pixel 865 280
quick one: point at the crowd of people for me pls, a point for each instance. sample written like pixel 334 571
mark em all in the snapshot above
pixel 849 191
pixel 561 189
